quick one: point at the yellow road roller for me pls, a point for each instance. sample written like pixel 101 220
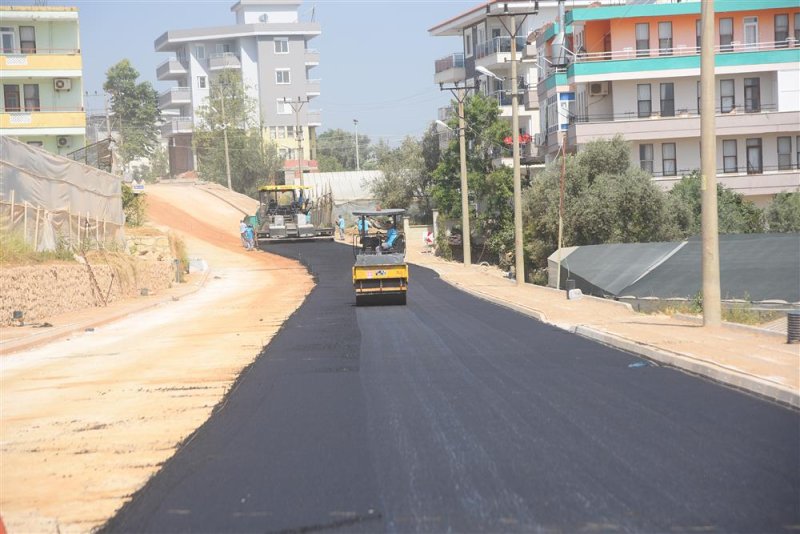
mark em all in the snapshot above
pixel 380 273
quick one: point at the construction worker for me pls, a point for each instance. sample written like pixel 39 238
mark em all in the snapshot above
pixel 242 230
pixel 340 225
pixel 391 237
pixel 250 238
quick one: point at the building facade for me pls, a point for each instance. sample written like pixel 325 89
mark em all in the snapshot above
pixel 269 46
pixel 41 75
pixel 486 42
pixel 635 70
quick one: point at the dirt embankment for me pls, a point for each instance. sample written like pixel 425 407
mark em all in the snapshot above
pixel 84 422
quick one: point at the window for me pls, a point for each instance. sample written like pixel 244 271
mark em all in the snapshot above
pixel 698 35
pixel 784 153
pixel 201 82
pixel 11 97
pixel 27 39
pixel 642 39
pixel 797 148
pixel 781 31
pixel 7 40
pixel 727 96
pixel 664 38
pixel 729 160
pixel 750 32
pixel 645 106
pixel 797 27
pixel 282 76
pixel 646 158
pixel 725 35
pixel 668 162
pixel 468 42
pixel 200 51
pixel 222 48
pixel 754 161
pixel 752 95
pixel 31 91
pixel 281 45
pixel 699 94
pixel 284 108
pixel 667 100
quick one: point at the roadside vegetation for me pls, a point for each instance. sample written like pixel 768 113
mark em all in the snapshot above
pixel 15 251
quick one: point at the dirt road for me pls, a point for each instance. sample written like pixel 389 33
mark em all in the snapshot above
pixel 84 422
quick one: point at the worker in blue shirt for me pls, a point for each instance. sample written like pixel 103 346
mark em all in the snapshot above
pixel 363 225
pixel 340 225
pixel 250 238
pixel 391 237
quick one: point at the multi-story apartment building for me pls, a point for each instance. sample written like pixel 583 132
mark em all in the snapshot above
pixel 41 71
pixel 486 42
pixel 635 70
pixel 268 45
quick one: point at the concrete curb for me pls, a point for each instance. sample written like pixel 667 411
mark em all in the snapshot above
pixel 689 364
pixel 59 332
pixel 734 326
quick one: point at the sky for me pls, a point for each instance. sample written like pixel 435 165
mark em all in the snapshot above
pixel 376 57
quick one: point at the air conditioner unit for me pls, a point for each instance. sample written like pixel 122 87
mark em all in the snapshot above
pixel 62 141
pixel 263 18
pixel 598 88
pixel 62 84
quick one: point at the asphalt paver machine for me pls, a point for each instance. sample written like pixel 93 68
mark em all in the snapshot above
pixel 380 273
pixel 289 213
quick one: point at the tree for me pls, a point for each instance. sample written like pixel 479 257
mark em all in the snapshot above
pixel 135 109
pixel 252 161
pixel 156 168
pixel 783 215
pixel 336 150
pixel 606 200
pixel 735 214
pixel 407 173
pixel 490 188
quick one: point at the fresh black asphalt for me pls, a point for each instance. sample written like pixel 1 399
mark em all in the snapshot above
pixel 452 414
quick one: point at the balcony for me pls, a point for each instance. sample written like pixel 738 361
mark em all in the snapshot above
pixel 747 182
pixel 175 97
pixel 629 60
pixel 177 125
pixel 314 117
pixel 685 124
pixel 449 69
pixel 53 121
pixel 311 57
pixel 19 63
pixel 497 51
pixel 226 60
pixel 171 69
pixel 312 87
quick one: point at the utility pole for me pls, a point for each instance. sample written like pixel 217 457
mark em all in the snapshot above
pixel 460 94
pixel 225 140
pixel 561 207
pixel 358 164
pixel 297 105
pixel 513 31
pixel 712 306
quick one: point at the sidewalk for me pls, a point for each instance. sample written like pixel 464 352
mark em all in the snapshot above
pixel 742 357
pixel 18 338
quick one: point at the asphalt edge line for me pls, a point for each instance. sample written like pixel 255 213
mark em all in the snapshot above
pixel 725 376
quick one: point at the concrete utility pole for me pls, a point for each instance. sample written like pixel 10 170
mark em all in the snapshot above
pixel 460 94
pixel 225 140
pixel 712 307
pixel 358 164
pixel 513 31
pixel 561 207
pixel 297 105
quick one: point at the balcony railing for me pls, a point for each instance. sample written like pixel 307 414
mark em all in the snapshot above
pixel 226 60
pixel 41 51
pixel 498 45
pixel 177 125
pixel 740 170
pixel 314 117
pixel 175 96
pixel 679 113
pixel 453 61
pixel 171 67
pixel 680 50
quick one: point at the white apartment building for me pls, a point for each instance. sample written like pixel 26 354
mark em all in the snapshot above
pixel 486 42
pixel 41 72
pixel 635 70
pixel 269 45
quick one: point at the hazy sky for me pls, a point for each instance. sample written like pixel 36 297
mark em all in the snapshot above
pixel 376 57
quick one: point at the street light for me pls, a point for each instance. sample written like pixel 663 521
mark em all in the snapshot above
pixel 358 164
pixel 486 72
